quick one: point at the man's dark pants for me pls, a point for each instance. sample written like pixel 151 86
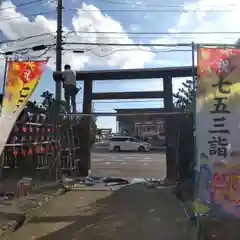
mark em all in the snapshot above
pixel 70 94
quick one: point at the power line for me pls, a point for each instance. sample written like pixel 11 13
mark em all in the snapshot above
pixel 123 33
pixel 22 4
pixel 161 4
pixel 149 10
pixel 119 10
pixel 130 44
pixel 151 44
pixel 99 38
pixel 117 44
pixel 28 49
pixel 30 43
pixel 144 37
pixel 133 4
pixel 106 38
pixel 24 38
pixel 29 15
pixel 39 47
pixel 155 33
pixel 119 33
pixel 127 50
pixel 124 3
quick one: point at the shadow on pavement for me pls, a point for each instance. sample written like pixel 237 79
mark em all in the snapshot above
pixel 132 212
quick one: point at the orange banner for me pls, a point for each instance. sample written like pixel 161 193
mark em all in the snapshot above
pixel 217 131
pixel 22 79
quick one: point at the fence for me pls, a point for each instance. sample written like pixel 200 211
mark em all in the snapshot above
pixel 42 147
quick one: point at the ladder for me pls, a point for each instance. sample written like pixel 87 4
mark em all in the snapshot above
pixel 69 144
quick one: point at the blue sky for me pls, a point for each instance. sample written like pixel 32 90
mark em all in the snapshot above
pixel 171 17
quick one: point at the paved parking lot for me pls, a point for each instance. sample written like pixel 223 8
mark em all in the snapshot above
pixel 145 165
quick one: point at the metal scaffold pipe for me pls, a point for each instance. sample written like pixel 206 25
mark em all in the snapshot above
pixel 109 114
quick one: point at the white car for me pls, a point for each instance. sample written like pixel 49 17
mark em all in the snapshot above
pixel 125 143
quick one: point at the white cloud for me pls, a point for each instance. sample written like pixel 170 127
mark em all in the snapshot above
pixel 20 26
pixel 134 27
pixel 95 21
pixel 52 3
pixel 214 16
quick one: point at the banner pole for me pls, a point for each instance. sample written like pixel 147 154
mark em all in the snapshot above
pixel 194 78
pixel 5 74
pixel 3 90
pixel 194 98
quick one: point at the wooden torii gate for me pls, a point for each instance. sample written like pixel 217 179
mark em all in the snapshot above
pixel 148 73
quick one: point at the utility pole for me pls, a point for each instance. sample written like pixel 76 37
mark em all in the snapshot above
pixel 58 88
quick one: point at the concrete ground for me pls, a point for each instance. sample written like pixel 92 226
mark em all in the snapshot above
pixel 132 212
pixel 129 164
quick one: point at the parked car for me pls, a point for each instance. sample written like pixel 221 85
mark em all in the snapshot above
pixel 127 143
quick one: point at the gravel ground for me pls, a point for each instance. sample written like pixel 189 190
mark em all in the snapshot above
pixel 14 212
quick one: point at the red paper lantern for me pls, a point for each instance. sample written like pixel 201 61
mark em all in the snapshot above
pixel 15 153
pixel 31 129
pixel 24 129
pixel 30 151
pixel 42 150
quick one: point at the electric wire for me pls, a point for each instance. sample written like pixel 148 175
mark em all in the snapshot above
pixel 24 38
pixel 150 10
pixel 161 4
pixel 122 11
pixel 49 48
pixel 152 44
pixel 22 4
pixel 129 50
pixel 29 15
pixel 188 34
pixel 140 38
pixel 130 44
pixel 155 33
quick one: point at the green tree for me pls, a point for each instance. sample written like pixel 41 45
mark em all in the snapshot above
pixel 33 107
pixel 93 127
pixel 185 99
pixel 50 105
pixel 48 99
pixel 238 43
pixel 185 96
